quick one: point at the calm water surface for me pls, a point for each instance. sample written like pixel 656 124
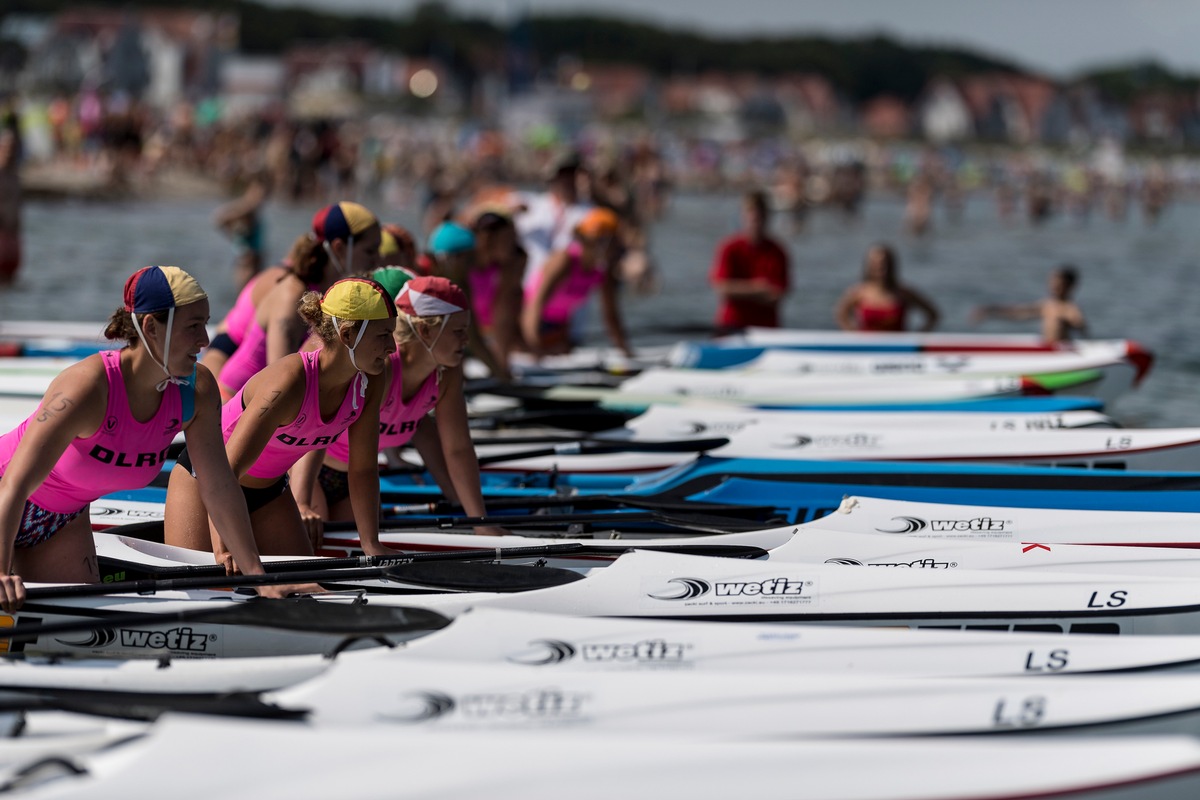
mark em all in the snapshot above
pixel 1137 281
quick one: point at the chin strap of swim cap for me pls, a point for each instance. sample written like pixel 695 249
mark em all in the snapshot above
pixel 362 377
pixel 429 347
pixel 175 379
pixel 349 257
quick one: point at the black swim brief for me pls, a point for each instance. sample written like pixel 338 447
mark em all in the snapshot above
pixel 256 497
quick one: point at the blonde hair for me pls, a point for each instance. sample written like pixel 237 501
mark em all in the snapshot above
pixel 406 325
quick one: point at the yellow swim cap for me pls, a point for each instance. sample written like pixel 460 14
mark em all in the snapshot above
pixel 357 299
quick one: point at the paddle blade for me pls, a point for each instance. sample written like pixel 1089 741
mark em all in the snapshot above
pixel 470 577
pixel 713 550
pixel 311 615
pixel 145 706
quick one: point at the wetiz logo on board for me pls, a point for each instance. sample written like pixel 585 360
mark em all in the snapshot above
pixel 176 640
pixel 543 652
pixel 920 563
pixel 533 705
pixel 693 590
pixel 907 525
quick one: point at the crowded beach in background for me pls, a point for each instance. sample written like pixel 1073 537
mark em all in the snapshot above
pixel 513 203
pixel 102 143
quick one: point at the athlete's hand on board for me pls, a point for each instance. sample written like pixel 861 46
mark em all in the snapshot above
pixel 225 559
pixel 492 530
pixel 285 590
pixel 314 526
pixel 12 593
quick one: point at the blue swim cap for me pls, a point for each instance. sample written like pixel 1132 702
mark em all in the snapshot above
pixel 450 237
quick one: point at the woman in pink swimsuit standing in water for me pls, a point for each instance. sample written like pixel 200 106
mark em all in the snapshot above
pixel 301 403
pixel 104 426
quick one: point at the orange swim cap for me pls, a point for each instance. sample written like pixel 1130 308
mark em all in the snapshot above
pixel 598 223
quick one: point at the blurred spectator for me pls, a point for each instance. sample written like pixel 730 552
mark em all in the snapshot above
pixel 547 223
pixel 750 272
pixel 568 279
pixel 1061 318
pixel 880 302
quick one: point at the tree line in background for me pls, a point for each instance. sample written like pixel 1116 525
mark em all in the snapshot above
pixel 860 68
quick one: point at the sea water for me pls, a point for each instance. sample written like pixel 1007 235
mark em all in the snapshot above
pixel 1137 280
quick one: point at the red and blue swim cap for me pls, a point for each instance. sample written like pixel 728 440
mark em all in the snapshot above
pixel 152 289
pixel 341 221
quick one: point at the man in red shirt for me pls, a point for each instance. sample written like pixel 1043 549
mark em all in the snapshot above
pixel 750 272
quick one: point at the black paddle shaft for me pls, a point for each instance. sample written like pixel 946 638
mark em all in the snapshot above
pixel 315 575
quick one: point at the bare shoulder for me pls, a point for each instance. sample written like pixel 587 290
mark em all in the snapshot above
pixel 451 381
pixel 284 295
pixel 281 375
pixel 206 384
pixel 77 396
pixel 852 292
pixel 280 384
pixel 83 379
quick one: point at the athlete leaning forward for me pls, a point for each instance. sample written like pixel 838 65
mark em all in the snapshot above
pixel 105 425
pixel 300 403
pixel 423 404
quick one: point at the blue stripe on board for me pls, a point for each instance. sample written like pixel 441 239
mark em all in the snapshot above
pixel 710 356
pixel 804 502
pixel 77 352
pixel 987 405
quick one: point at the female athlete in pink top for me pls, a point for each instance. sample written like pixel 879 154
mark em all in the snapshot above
pixel 398 417
pixel 231 331
pixel 425 375
pixel 310 430
pixel 494 286
pixel 344 239
pixel 567 279
pixel 301 403
pixel 124 453
pixel 242 313
pixel 105 424
pixel 572 289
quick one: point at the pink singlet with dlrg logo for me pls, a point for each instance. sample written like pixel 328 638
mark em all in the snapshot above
pixel 123 454
pixel 308 431
pixel 398 418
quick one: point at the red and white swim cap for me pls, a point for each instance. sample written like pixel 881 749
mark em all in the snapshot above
pixel 430 296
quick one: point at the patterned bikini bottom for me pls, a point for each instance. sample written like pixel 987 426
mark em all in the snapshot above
pixel 38 524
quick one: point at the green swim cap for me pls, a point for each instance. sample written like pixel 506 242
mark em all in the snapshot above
pixel 392 279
